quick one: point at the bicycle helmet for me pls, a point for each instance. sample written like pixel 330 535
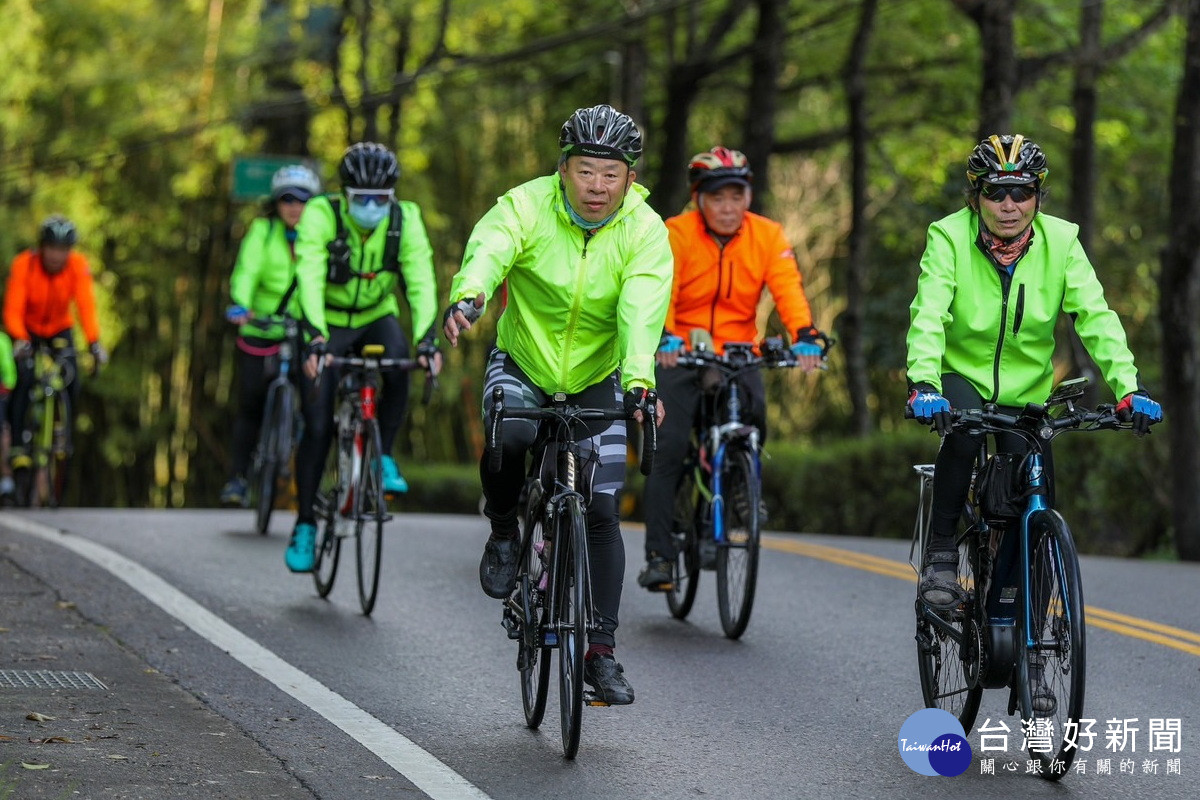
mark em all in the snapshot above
pixel 297 180
pixel 369 165
pixel 601 132
pixel 1010 159
pixel 719 167
pixel 59 230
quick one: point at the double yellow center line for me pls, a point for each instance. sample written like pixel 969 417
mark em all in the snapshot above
pixel 1166 635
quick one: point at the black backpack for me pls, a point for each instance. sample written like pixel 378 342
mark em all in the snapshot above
pixel 339 270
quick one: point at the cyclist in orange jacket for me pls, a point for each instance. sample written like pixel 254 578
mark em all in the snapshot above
pixel 724 257
pixel 42 284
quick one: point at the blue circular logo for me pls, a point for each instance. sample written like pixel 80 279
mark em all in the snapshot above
pixel 932 742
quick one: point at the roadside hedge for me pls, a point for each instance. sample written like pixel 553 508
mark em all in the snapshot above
pixel 1110 488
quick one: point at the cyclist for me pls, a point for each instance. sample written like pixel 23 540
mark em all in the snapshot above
pixel 995 276
pixel 353 249
pixel 724 257
pixel 42 284
pixel 588 269
pixel 262 284
pixel 8 379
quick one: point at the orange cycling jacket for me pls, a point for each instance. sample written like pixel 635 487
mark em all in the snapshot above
pixel 717 287
pixel 37 303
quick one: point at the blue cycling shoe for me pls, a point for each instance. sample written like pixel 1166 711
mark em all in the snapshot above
pixel 393 481
pixel 301 554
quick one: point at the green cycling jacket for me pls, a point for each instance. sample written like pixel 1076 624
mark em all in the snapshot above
pixel 8 367
pixel 263 273
pixel 579 305
pixel 971 318
pixel 370 293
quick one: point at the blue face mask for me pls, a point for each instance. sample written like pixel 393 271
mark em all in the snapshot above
pixel 368 215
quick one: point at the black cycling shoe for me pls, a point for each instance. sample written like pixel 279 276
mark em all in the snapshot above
pixel 656 576
pixel 607 679
pixel 498 567
pixel 939 587
pixel 708 553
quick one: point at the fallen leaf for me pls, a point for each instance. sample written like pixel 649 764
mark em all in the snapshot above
pixel 35 716
pixel 51 740
pixel 65 604
pixel 119 758
pixel 27 765
pixel 5 630
pixel 4 738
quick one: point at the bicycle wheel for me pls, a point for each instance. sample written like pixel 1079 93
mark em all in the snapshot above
pixel 370 514
pixel 949 644
pixel 268 463
pixel 329 545
pixel 570 575
pixel 1056 611
pixel 737 556
pixel 533 660
pixel 59 456
pixel 685 568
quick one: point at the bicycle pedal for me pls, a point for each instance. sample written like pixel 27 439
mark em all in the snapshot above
pixel 660 587
pixel 590 699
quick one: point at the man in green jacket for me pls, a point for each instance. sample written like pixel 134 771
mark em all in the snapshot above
pixel 588 269
pixel 994 279
pixel 353 250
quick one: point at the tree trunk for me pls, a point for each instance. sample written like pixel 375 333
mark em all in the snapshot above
pixel 1083 168
pixel 851 322
pixel 1179 303
pixel 994 19
pixel 765 60
pixel 671 189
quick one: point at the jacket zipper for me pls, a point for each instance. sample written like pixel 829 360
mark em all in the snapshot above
pixel 573 320
pixel 1020 309
pixel 712 312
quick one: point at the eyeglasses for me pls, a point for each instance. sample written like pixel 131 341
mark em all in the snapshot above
pixel 290 199
pixel 364 196
pixel 1019 193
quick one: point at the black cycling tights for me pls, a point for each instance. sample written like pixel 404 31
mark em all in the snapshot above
pixel 318 404
pixel 952 470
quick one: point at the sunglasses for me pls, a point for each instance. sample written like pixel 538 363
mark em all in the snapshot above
pixel 364 196
pixel 289 199
pixel 1019 194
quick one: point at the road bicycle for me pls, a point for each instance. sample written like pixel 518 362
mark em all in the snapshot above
pixel 1022 607
pixel 40 474
pixel 551 607
pixel 718 503
pixel 280 429
pixel 352 501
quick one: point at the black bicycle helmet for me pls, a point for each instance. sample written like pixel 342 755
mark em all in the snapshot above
pixel 369 165
pixel 1006 160
pixel 601 132
pixel 57 229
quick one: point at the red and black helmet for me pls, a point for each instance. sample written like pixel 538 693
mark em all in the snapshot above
pixel 719 167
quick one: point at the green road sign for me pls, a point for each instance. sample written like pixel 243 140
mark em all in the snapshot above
pixel 252 174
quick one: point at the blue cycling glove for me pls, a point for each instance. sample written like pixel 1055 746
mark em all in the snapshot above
pixel 808 343
pixel 670 343
pixel 235 313
pixel 1138 408
pixel 929 407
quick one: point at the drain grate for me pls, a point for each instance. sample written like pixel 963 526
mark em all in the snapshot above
pixel 47 679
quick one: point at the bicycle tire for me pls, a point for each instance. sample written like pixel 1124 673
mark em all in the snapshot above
pixel 329 547
pixel 570 584
pixel 58 455
pixel 370 511
pixel 949 644
pixel 737 556
pixel 685 567
pixel 268 465
pixel 1057 588
pixel 533 659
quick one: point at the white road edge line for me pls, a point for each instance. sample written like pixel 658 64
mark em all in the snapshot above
pixel 420 767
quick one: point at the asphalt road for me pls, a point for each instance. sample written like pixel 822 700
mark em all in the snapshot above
pixel 808 704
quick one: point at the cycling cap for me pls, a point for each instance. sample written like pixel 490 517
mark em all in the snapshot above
pixel 719 167
pixel 57 229
pixel 1006 160
pixel 297 180
pixel 601 132
pixel 368 165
